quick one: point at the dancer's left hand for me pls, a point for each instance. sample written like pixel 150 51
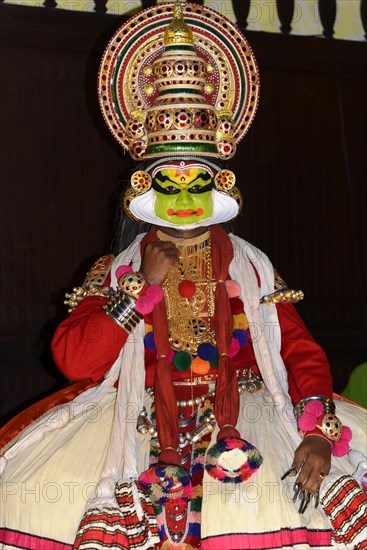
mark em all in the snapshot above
pixel 312 461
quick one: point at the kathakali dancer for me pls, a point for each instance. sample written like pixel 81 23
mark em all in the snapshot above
pixel 207 419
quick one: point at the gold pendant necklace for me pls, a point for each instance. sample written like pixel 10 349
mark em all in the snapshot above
pixel 190 320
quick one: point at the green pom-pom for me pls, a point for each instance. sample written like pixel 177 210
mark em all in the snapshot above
pixel 214 362
pixel 182 360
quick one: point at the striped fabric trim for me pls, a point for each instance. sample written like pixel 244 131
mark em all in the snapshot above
pixel 108 529
pixel 27 541
pixel 346 506
pixel 270 540
pixel 119 528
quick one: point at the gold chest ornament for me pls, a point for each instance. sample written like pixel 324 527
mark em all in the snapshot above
pixel 190 318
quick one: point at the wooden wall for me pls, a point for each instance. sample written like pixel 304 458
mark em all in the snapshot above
pixel 301 168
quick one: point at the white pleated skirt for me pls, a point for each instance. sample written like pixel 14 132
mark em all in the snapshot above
pixel 44 490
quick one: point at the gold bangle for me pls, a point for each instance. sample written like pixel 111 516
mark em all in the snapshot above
pixel 121 309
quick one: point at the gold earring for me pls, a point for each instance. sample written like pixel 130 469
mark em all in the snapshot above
pixel 141 181
pixel 225 180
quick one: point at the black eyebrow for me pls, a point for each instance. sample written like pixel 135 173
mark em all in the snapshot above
pixel 163 179
pixel 157 187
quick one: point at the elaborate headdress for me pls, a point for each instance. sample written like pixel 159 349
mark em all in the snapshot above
pixel 179 82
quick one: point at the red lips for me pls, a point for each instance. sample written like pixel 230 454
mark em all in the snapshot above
pixel 185 213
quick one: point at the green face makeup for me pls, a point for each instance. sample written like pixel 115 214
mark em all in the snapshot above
pixel 183 196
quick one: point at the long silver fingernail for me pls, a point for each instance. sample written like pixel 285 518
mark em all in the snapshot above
pixel 303 499
pixel 317 499
pixel 307 502
pixel 297 488
pixel 288 472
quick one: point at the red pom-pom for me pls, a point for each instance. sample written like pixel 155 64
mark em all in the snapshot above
pixel 307 422
pixel 236 306
pixel 187 289
pixel 120 271
pixel 148 318
pixel 233 289
pixel 155 293
pixel 144 305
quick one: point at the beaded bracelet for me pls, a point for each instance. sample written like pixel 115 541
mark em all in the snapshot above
pixel 316 416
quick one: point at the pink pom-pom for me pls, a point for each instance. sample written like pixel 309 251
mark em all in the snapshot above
pixel 234 348
pixel 170 355
pixel 233 289
pixel 120 271
pixel 346 434
pixel 314 407
pixel 340 448
pixel 307 422
pixel 144 305
pixel 155 293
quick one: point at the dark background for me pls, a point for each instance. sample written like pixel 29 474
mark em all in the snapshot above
pixel 301 168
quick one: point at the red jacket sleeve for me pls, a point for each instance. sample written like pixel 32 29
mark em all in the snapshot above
pixel 306 362
pixel 88 342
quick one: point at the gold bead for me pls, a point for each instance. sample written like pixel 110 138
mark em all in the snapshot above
pixel 210 68
pixel 149 89
pixel 209 88
pixel 147 70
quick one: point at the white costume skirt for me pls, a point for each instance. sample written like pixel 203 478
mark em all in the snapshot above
pixel 46 486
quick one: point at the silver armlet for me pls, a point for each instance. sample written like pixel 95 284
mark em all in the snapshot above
pixel 329 405
pixel 121 309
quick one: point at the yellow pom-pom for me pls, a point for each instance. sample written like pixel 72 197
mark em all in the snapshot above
pixel 240 321
pixel 148 328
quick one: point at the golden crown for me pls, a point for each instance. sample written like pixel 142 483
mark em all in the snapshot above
pixel 178 79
